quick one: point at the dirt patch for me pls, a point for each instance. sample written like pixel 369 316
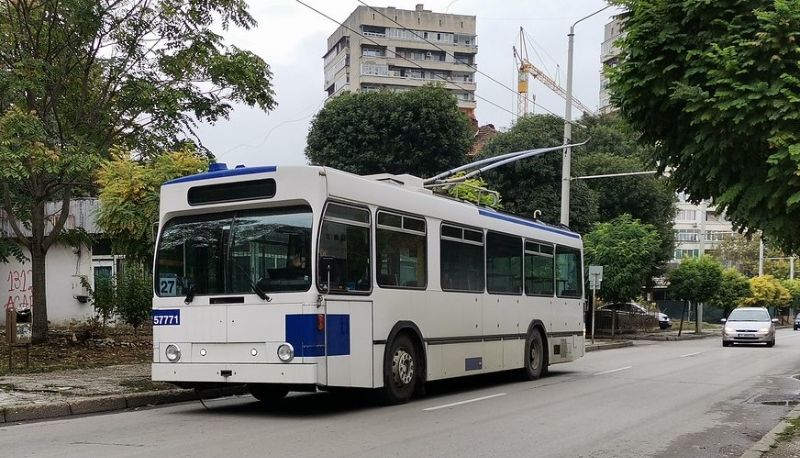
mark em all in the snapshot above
pixel 787 443
pixel 67 348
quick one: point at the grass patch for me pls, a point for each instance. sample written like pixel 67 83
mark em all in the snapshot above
pixel 791 431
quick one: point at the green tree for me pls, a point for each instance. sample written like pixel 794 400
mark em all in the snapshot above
pixel 80 76
pixel 741 252
pixel 767 291
pixel 695 279
pixel 420 132
pixel 627 249
pixel 129 197
pixel 734 288
pixel 535 183
pixel 716 86
pixel 793 287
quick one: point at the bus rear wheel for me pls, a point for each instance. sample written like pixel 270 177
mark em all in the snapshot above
pixel 401 371
pixel 534 355
pixel 267 392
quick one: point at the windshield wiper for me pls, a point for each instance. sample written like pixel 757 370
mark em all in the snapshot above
pixel 260 292
pixel 189 295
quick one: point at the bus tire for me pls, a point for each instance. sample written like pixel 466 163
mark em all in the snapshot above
pixel 535 361
pixel 267 392
pixel 401 370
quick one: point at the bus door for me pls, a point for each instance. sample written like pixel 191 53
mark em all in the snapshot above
pixel 348 342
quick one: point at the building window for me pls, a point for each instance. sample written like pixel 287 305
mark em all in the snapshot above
pixel 687 235
pixel 401 251
pixel 461 254
pixel 683 253
pixel 686 215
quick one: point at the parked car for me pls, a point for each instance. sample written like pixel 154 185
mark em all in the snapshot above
pixel 749 325
pixel 797 322
pixel 632 308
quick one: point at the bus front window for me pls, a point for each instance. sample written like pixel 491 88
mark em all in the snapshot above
pixel 236 253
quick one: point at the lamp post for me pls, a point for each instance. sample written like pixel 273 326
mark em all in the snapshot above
pixel 565 165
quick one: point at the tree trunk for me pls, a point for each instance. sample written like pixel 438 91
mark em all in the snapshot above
pixel 39 293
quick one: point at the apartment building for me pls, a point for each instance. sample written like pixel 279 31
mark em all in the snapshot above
pixel 389 48
pixel 699 229
pixel 609 56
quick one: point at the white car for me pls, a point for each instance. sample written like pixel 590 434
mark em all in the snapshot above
pixel 637 309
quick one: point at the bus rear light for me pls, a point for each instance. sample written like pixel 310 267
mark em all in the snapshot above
pixel 320 322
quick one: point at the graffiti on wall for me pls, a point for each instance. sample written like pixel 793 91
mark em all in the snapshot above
pixel 19 286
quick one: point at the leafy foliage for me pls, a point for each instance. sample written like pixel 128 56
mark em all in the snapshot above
pixel 627 249
pixel 695 279
pixel 78 77
pixel 741 252
pixel 10 249
pixel 475 190
pixel 793 287
pixel 716 86
pixel 734 288
pixel 134 295
pixel 767 291
pixel 102 298
pixel 129 197
pixel 420 132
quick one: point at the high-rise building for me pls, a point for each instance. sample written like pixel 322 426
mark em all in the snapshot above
pixel 609 57
pixel 396 49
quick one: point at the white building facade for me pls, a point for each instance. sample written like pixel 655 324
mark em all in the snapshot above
pixel 394 49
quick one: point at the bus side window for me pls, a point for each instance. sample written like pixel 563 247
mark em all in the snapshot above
pixel 344 250
pixel 401 251
pixel 461 259
pixel 503 263
pixel 569 272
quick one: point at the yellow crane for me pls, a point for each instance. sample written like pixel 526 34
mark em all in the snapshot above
pixel 525 69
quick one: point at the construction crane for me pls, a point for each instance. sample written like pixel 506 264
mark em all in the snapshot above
pixel 525 69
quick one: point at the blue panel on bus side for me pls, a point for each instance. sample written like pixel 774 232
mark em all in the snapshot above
pixel 338 335
pixel 307 340
pixel 473 364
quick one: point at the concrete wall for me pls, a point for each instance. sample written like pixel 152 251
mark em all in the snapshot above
pixel 62 263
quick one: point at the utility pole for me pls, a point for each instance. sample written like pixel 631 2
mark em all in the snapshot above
pixel 760 256
pixel 567 157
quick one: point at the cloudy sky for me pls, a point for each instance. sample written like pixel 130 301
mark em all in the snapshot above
pixel 292 39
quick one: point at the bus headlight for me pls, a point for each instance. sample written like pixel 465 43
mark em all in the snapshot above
pixel 173 353
pixel 285 352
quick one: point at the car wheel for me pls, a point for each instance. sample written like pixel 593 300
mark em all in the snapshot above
pixel 401 371
pixel 534 355
pixel 771 343
pixel 267 392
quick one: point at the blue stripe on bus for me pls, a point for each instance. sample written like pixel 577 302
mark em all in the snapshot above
pixel 224 173
pixel 308 341
pixel 524 222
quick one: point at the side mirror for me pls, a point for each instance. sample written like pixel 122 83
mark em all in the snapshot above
pixel 723 320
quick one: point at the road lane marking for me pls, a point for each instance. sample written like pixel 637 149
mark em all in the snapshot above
pixel 453 404
pixel 613 370
pixel 691 354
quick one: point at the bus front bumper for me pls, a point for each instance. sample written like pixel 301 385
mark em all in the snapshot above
pixel 235 373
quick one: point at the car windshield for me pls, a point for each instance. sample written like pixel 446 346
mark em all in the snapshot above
pixel 749 315
pixel 266 250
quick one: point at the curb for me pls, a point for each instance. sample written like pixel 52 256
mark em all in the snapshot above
pixel 99 404
pixel 766 442
pixel 608 346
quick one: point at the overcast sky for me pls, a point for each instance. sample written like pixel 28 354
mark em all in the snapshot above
pixel 293 39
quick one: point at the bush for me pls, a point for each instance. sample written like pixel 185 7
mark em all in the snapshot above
pixel 134 295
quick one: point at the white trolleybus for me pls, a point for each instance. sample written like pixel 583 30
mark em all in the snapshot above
pixel 298 278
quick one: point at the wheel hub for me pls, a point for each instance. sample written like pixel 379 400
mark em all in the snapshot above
pixel 402 367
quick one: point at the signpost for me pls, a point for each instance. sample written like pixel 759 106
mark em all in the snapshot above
pixel 595 279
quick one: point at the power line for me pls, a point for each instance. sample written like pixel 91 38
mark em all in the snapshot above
pixel 398 55
pixel 453 56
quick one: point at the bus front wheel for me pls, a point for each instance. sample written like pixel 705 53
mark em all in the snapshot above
pixel 401 371
pixel 267 392
pixel 534 355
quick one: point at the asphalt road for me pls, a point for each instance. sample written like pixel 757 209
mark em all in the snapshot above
pixel 676 399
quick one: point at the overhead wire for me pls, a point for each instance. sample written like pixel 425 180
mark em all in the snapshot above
pixel 398 55
pixel 472 66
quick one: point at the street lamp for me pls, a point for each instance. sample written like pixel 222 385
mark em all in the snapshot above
pixel 565 165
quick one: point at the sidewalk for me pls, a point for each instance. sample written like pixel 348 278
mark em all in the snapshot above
pixel 38 396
